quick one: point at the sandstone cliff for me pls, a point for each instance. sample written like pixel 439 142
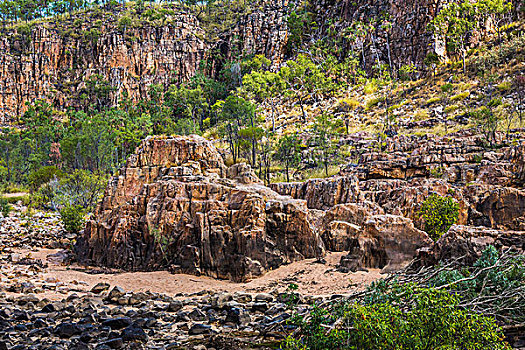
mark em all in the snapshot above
pixel 400 36
pixel 52 60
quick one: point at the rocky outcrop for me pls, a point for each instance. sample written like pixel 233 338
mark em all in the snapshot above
pixel 322 194
pixel 173 205
pixel 176 205
pixel 386 241
pixel 465 244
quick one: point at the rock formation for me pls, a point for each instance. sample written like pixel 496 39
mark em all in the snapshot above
pixel 404 41
pixel 176 205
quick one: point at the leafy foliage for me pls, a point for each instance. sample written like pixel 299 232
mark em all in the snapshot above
pixel 288 152
pixel 438 213
pixel 399 317
pixel 72 217
pixel 5 208
pixel 79 188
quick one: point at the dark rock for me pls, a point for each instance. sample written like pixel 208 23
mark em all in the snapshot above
pixel 261 306
pixel 67 330
pixel 115 343
pixel 134 334
pixel 48 308
pixel 199 328
pixel 175 306
pixel 100 287
pixel 197 315
pixel 117 323
pixel 116 293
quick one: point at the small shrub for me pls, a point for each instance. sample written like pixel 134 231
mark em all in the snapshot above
pixel 370 87
pixel 421 114
pixel 504 86
pixel 437 172
pixel 72 218
pixel 438 213
pixel 374 101
pixel 5 208
pixel 347 104
pixel 477 158
pixel 451 109
pixel 433 100
pixel 461 96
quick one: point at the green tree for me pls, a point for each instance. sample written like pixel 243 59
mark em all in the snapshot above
pixel 446 90
pixel 264 86
pixel 497 11
pixel 454 23
pixel 439 214
pixel 236 114
pixel 325 148
pixel 288 152
pixel 304 79
pixel 189 102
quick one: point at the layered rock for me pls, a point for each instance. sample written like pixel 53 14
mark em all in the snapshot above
pixel 177 205
pixel 386 241
pixel 174 206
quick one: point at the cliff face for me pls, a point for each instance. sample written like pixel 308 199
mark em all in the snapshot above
pixel 400 28
pixel 52 63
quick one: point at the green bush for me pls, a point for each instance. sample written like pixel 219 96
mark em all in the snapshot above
pixel 79 187
pixel 72 218
pixel 438 213
pixel 395 318
pixel 43 175
pixel 5 208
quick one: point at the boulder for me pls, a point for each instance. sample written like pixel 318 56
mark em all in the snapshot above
pixel 465 244
pixel 387 242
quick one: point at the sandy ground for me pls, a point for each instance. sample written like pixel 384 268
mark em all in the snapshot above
pixel 313 278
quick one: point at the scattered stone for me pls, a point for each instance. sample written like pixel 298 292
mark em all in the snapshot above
pixel 100 287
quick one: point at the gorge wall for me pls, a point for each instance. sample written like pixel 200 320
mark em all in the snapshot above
pixel 400 32
pixel 51 60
